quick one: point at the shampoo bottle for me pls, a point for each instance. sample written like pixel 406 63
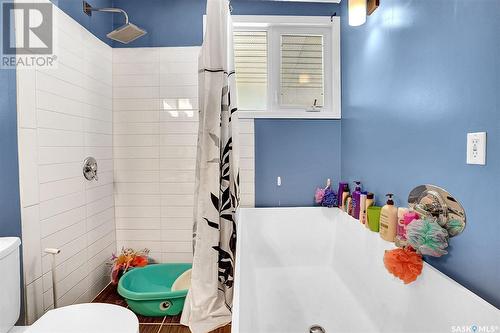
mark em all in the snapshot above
pixel 388 220
pixel 340 193
pixel 356 197
pixel 363 215
pixel 362 207
pixel 349 205
pixel 403 221
pixel 345 195
pixel 369 202
pixel 400 228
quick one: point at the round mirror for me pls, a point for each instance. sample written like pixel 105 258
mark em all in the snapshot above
pixel 433 201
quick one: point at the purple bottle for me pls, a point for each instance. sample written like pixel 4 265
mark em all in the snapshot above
pixel 342 186
pixel 356 198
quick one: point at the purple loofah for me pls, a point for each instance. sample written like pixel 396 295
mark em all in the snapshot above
pixel 329 198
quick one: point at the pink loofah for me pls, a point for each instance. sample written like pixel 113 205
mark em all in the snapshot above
pixel 319 195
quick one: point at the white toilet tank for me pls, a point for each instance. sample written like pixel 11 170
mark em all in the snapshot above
pixel 10 293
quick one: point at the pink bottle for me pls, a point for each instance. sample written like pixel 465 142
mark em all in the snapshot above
pixel 403 221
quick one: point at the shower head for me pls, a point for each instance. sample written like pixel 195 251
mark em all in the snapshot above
pixel 124 34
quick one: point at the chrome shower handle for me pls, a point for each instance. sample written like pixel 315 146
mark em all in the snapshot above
pixel 431 201
pixel 90 169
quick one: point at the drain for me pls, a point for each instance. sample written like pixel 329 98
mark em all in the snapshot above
pixel 316 329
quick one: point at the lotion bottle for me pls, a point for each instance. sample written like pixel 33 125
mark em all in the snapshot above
pixel 388 220
pixel 369 202
pixel 362 207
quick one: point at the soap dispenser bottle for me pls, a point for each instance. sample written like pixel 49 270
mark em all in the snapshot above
pixel 388 220
pixel 356 200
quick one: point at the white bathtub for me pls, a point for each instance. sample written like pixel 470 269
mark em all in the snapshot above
pixel 297 267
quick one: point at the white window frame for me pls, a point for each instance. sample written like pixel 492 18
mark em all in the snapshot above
pixel 277 25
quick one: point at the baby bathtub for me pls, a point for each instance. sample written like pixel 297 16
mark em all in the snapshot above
pixel 147 290
pixel 299 267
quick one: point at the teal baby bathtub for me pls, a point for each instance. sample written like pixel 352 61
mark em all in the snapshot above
pixel 147 290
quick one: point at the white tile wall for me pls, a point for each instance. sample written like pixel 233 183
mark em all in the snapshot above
pixel 155 123
pixel 247 163
pixel 65 114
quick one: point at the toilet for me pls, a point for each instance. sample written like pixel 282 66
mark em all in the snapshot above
pixel 78 318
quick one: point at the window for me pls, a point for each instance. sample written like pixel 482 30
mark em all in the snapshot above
pixel 301 76
pixel 287 67
pixel 250 55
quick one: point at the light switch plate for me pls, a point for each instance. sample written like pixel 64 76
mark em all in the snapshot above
pixel 476 148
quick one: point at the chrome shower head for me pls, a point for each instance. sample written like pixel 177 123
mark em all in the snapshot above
pixel 124 34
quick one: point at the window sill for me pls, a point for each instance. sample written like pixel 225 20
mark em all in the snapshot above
pixel 288 115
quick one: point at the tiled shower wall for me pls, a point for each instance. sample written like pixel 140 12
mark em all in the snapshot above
pixel 136 112
pixel 155 119
pixel 65 115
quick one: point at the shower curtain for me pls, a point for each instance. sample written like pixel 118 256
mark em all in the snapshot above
pixel 209 301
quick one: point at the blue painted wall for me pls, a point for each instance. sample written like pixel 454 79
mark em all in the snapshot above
pixel 10 218
pixel 304 153
pixel 10 207
pixel 99 23
pixel 416 78
pixel 168 23
pixel 180 22
pixel 176 22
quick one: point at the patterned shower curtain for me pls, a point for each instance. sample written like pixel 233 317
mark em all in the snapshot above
pixel 209 301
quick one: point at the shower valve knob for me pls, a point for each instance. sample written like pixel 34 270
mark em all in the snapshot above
pixel 90 169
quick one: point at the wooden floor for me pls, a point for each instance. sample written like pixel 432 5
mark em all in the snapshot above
pixel 166 324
